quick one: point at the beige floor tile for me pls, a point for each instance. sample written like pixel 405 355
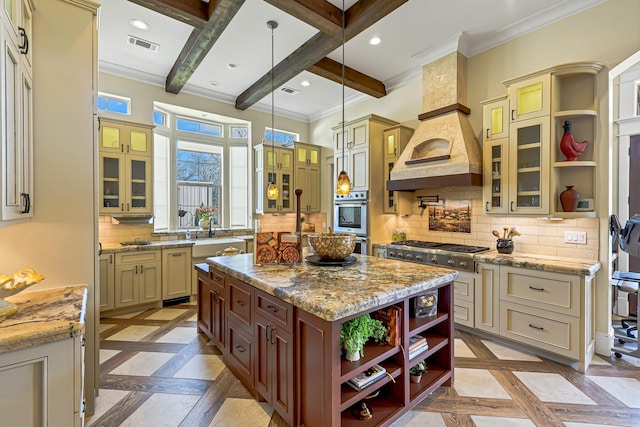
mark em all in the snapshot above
pixel 599 360
pixel 627 390
pixel 105 401
pixel 107 354
pixel 165 314
pixel 242 413
pixel 105 327
pixel 550 387
pixel 504 352
pixel 193 318
pixel 478 383
pixel 143 364
pixel 567 424
pixel 154 411
pixel 202 367
pixel 127 315
pixel 462 350
pixel 179 335
pixel 484 421
pixel 133 333
pixel 420 419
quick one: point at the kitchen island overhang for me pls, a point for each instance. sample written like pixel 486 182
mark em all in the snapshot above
pixel 278 328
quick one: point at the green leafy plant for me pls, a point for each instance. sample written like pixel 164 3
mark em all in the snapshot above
pixel 356 332
pixel 418 369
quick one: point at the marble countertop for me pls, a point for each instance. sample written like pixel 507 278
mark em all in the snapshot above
pixel 155 245
pixel 44 316
pixel 333 293
pixel 540 262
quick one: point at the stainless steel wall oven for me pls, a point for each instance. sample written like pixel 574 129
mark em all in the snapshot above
pixel 350 213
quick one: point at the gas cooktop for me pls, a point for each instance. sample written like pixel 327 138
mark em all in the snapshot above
pixel 451 247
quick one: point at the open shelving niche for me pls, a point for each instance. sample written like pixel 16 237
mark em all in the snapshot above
pixel 398 395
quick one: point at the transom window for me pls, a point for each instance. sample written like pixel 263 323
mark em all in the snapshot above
pixel 280 136
pixel 114 103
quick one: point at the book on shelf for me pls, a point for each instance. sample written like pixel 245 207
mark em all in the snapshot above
pixel 390 316
pixel 367 377
pixel 417 350
pixel 416 341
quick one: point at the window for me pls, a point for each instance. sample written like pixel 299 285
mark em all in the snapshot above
pixel 113 103
pixel 281 136
pixel 196 165
pixel 159 118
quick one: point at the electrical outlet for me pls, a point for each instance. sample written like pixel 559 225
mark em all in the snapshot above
pixel 576 237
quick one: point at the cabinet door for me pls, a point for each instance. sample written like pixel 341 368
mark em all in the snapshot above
pixel 205 305
pixel 139 141
pixel 529 166
pixel 112 183
pixel 150 282
pixel 496 172
pixel 286 192
pixel 139 185
pixel 285 159
pixel 390 202
pixel 359 174
pixel 262 371
pixel 176 273
pixel 530 98
pixel 219 318
pixel 111 137
pixel 107 282
pixel 127 291
pixel 495 120
pixel 359 134
pixel 313 187
pixel 26 31
pixel 487 298
pixel 26 141
pixel 282 373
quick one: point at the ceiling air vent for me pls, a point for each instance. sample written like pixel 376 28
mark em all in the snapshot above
pixel 153 47
pixel 289 90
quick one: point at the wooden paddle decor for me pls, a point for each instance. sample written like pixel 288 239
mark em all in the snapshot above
pixel 280 247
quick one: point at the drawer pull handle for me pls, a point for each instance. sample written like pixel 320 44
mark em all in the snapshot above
pixel 241 303
pixel 273 328
pixel 536 289
pixel 266 333
pixel 272 309
pixel 240 348
pixel 540 328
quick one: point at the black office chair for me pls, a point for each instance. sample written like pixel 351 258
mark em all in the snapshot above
pixel 628 282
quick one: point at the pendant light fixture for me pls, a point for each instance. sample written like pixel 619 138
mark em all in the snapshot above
pixel 272 190
pixel 343 186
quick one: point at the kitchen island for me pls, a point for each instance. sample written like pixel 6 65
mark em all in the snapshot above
pixel 278 328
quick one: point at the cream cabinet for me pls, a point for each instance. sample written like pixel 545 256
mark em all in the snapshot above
pixel 395 140
pixel 274 165
pixel 176 273
pixel 16 92
pixel 530 97
pixel 126 175
pixel 464 299
pixel 545 310
pixel 495 118
pixel 46 384
pixel 138 278
pixel 307 176
pixel 107 281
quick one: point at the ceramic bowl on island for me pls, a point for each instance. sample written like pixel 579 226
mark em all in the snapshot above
pixel 332 245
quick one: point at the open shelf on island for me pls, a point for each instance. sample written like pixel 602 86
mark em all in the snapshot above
pixel 373 354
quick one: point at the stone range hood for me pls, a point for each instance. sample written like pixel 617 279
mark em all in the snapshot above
pixel 443 150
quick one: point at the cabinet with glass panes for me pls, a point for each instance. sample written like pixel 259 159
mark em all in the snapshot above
pixel 274 164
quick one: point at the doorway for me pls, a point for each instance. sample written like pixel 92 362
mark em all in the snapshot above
pixel 634 191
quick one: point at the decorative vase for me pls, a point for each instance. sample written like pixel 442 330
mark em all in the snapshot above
pixel 204 222
pixel 571 148
pixel 352 356
pixel 504 246
pixel 569 199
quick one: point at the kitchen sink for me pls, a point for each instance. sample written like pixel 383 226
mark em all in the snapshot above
pixel 209 247
pixel 136 243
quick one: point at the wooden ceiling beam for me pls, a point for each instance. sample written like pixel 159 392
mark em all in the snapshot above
pixel 319 14
pixel 332 70
pixel 190 12
pixel 200 42
pixel 359 17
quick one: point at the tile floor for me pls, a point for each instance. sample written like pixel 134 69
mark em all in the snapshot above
pixel 156 370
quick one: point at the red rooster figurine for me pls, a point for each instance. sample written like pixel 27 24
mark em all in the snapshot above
pixel 571 148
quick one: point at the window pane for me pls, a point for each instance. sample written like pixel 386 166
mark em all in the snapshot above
pixel 187 125
pixel 238 186
pixel 161 181
pixel 102 103
pixel 239 132
pixel 117 106
pixel 159 118
pixel 208 129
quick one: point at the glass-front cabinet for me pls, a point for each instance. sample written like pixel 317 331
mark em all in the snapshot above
pixel 495 157
pixel 274 165
pixel 495 118
pixel 395 140
pixel 530 98
pixel 125 168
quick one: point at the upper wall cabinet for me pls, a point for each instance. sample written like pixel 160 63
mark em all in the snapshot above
pixel 525 170
pixel 395 140
pixel 273 164
pixel 126 175
pixel 307 176
pixel 17 111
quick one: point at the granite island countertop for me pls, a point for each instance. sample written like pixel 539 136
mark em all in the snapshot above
pixel 44 316
pixel 333 293
pixel 540 262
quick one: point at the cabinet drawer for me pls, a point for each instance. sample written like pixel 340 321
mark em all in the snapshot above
pixel 542 329
pixel 216 276
pixel 239 305
pixel 240 348
pixel 138 257
pixel 274 310
pixel 463 288
pixel 541 289
pixel 463 313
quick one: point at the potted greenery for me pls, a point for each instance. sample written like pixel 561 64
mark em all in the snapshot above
pixel 417 370
pixel 356 332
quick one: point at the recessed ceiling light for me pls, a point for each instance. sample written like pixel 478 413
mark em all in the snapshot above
pixel 214 83
pixel 141 25
pixel 375 41
pixel 231 66
pixel 305 83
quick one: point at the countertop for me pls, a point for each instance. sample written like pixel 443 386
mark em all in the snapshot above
pixel 333 293
pixel 540 262
pixel 155 245
pixel 43 317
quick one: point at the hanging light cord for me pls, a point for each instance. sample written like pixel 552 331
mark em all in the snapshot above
pixel 343 42
pixel 273 25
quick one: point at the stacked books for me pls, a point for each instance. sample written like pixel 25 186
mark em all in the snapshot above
pixel 417 344
pixel 367 377
pixel 390 316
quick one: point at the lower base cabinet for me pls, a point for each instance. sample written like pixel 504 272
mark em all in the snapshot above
pixel 43 385
pixel 292 358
